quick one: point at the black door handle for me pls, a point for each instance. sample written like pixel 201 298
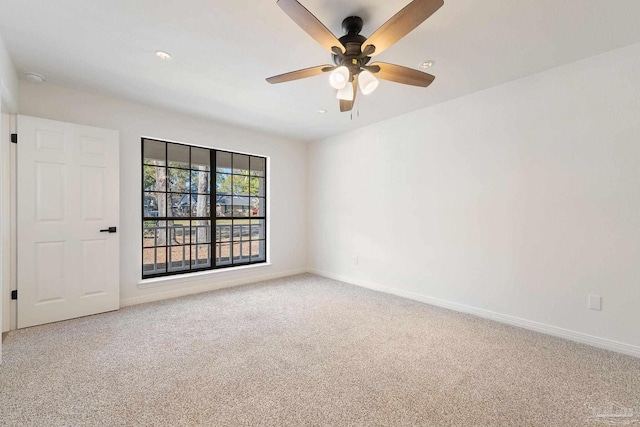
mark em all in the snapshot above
pixel 109 230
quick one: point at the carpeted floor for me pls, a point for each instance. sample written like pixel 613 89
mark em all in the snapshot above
pixel 306 351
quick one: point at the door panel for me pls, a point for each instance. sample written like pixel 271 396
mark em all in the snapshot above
pixel 49 141
pixel 68 182
pixel 49 267
pixel 50 191
pixel 94 277
pixel 92 193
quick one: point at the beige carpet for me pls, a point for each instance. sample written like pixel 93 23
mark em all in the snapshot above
pixel 306 351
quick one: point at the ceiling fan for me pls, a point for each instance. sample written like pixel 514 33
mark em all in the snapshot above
pixel 352 52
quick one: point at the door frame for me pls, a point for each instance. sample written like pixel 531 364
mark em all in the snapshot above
pixel 8 205
pixel 8 311
pixel 8 107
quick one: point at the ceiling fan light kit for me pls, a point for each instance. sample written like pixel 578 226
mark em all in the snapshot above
pixel 367 82
pixel 353 51
pixel 346 93
pixel 339 77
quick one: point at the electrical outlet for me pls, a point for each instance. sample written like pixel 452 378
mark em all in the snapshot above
pixel 595 302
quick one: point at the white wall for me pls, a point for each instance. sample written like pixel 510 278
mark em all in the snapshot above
pixel 517 201
pixel 8 80
pixel 287 181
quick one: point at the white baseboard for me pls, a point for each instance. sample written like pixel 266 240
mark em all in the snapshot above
pixel 206 285
pixel 619 347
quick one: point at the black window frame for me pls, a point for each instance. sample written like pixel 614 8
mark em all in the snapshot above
pixel 214 243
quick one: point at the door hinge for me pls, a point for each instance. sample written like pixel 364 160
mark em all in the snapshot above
pixel 14 294
pixel 14 138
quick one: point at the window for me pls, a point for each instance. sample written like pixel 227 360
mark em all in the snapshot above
pixel 189 226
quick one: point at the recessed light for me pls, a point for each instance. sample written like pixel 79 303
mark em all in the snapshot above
pixel 322 111
pixel 34 77
pixel 163 55
pixel 426 64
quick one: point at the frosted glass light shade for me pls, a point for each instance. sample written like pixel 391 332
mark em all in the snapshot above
pixel 339 77
pixel 346 93
pixel 367 81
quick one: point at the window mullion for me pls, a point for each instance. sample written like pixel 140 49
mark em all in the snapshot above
pixel 213 194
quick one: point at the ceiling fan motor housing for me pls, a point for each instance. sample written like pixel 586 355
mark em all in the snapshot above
pixel 352 42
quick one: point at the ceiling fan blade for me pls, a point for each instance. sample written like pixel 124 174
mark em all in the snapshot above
pixel 348 105
pixel 345 106
pixel 310 24
pixel 404 75
pixel 300 74
pixel 402 23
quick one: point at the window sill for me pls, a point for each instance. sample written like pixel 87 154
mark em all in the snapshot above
pixel 192 277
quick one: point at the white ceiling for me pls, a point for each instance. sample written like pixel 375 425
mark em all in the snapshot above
pixel 223 50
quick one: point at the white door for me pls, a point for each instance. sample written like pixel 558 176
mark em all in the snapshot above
pixel 68 182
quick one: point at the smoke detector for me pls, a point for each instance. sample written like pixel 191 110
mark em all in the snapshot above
pixel 34 77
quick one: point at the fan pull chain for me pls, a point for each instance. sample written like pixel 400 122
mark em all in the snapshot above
pixel 357 112
pixel 356 105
